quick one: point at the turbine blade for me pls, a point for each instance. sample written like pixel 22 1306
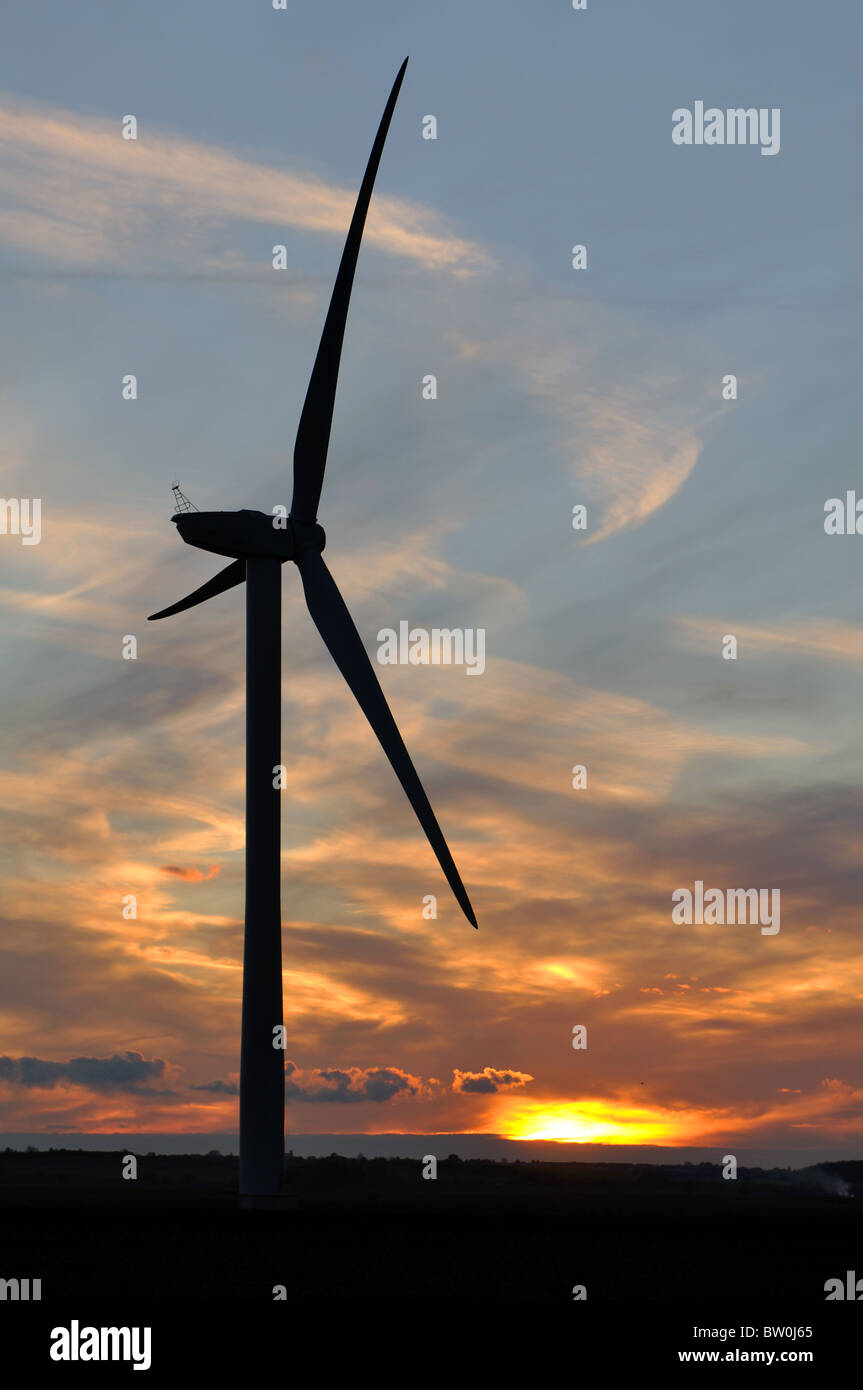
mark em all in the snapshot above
pixel 336 626
pixel 225 579
pixel 313 434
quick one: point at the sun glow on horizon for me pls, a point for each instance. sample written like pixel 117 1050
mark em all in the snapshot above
pixel 592 1122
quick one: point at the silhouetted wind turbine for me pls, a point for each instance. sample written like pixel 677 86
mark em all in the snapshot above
pixel 258 550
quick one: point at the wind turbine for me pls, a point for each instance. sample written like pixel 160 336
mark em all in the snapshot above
pixel 258 549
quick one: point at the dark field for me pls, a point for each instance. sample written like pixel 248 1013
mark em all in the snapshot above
pixel 355 1229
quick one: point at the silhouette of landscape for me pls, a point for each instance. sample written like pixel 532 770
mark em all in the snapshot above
pixel 373 1228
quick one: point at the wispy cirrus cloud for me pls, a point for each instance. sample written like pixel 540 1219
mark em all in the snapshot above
pixel 628 412
pixel 827 638
pixel 83 196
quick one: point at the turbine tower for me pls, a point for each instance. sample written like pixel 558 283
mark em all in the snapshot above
pixel 258 549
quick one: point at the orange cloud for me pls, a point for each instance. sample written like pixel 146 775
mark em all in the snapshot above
pixel 191 875
pixel 488 1081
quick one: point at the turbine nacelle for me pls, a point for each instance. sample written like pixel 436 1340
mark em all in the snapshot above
pixel 244 534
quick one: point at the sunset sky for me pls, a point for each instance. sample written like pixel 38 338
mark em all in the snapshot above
pixel 555 387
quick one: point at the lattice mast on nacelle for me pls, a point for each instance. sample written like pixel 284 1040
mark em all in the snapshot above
pixel 181 501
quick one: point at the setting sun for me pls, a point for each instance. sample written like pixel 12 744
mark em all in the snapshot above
pixel 595 1122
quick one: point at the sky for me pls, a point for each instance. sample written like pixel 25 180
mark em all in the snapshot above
pixel 556 387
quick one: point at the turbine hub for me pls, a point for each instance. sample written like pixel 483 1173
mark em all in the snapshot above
pixel 307 535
